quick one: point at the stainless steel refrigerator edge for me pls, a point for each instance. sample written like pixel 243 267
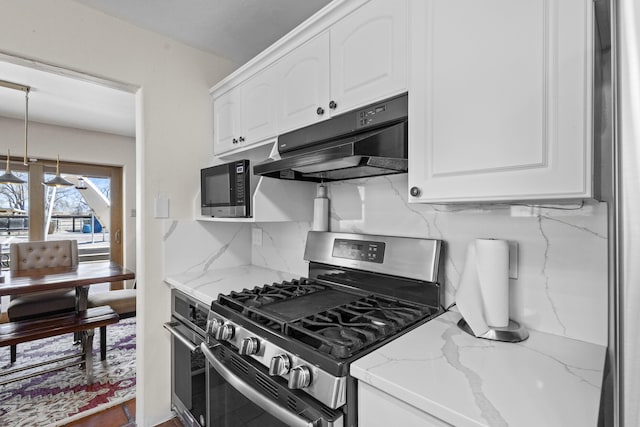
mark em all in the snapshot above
pixel 618 136
pixel 626 90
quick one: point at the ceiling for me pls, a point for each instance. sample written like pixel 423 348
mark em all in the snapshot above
pixel 234 29
pixel 63 100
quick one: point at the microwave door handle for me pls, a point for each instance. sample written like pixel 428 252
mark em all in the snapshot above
pixel 253 395
pixel 169 326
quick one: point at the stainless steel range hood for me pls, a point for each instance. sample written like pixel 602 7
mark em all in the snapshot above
pixel 367 142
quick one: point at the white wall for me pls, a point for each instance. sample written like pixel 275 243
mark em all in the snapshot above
pixel 173 112
pixel 75 145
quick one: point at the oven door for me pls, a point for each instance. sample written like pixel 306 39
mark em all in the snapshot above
pixel 241 394
pixel 188 375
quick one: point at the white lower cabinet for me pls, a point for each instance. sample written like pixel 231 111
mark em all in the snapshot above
pixel 500 100
pixel 378 409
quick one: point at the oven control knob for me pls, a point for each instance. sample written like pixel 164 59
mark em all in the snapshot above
pixel 224 332
pixel 213 325
pixel 299 377
pixel 280 365
pixel 249 346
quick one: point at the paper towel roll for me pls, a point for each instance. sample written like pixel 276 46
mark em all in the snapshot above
pixel 483 292
pixel 493 273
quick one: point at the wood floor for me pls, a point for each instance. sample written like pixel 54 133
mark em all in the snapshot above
pixel 123 415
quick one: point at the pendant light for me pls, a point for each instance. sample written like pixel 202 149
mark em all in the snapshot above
pixel 8 177
pixel 58 181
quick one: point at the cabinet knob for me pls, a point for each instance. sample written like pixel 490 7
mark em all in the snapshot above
pixel 320 111
pixel 333 105
pixel 414 191
pixel 235 141
pixel 241 139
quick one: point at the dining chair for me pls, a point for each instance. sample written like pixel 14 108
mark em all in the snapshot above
pixel 37 255
pixel 122 301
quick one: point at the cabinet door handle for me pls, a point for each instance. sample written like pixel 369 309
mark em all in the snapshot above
pixel 320 111
pixel 415 191
pixel 333 105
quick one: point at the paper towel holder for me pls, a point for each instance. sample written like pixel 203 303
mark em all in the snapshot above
pixel 514 332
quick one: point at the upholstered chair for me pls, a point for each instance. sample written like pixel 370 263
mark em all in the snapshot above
pixel 38 255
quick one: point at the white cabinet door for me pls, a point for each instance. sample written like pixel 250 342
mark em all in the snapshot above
pixel 500 102
pixel 378 409
pixel 303 76
pixel 259 99
pixel 369 54
pixel 226 121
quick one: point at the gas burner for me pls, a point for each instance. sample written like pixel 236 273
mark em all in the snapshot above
pixel 259 296
pixel 341 332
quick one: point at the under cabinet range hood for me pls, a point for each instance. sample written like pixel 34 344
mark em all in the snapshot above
pixel 366 142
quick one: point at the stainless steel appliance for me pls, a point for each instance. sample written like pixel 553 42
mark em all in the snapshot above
pixel 366 142
pixel 188 375
pixel 279 354
pixel 225 190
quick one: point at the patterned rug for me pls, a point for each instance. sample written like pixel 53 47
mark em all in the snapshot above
pixel 58 397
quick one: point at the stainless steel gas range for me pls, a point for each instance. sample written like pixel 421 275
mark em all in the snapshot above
pixel 279 354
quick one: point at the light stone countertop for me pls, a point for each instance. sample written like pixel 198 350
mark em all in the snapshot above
pixel 546 380
pixel 205 286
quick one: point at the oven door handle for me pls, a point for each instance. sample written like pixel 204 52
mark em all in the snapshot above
pixel 253 395
pixel 170 326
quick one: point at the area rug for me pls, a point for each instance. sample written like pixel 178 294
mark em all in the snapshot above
pixel 58 397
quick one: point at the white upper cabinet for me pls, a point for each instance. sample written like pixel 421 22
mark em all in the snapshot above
pixel 369 55
pixel 362 58
pixel 303 81
pixel 245 115
pixel 259 95
pixel 354 55
pixel 500 100
pixel 226 121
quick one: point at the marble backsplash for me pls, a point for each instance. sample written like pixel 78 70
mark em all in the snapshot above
pixel 562 250
pixel 198 246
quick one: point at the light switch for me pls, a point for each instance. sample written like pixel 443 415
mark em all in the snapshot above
pixel 161 207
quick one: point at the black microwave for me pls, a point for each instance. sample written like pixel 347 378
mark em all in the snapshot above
pixel 225 190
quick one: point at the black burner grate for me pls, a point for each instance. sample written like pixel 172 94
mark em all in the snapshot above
pixel 344 330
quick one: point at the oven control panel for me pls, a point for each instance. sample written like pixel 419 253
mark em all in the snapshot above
pixel 359 250
pixel 298 373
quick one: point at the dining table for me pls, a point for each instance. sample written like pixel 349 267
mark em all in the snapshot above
pixel 80 277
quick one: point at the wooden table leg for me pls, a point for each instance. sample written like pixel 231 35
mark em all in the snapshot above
pixel 82 296
pixel 88 349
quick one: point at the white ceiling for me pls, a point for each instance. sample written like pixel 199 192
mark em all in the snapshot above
pixel 66 101
pixel 234 29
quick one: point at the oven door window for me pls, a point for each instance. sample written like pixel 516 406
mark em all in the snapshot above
pixel 229 408
pixel 189 376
